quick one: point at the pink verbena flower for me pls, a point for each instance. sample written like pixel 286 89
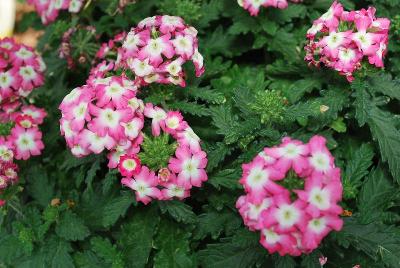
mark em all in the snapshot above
pixel 21 70
pixel 253 6
pixel 48 10
pixel 156 50
pixel 341 40
pixel 144 184
pixel 292 226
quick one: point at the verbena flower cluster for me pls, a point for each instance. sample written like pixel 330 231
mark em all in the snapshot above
pixel 155 51
pixel 185 170
pixel 21 70
pixel 342 39
pixel 253 6
pixel 49 10
pixel 106 114
pixel 292 222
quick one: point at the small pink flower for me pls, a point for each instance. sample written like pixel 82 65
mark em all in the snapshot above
pixel 322 260
pixel 144 184
pixel 129 165
pixel 189 166
pixel 27 142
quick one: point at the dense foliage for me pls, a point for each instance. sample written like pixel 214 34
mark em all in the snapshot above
pixel 257 88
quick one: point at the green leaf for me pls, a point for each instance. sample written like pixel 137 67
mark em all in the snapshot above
pixel 216 153
pixel 300 87
pixel 227 178
pixel 339 125
pixel 88 259
pixel 178 210
pixel 357 168
pixel 136 238
pixel 40 187
pixel 375 196
pixel 386 85
pixel 71 227
pixel 10 248
pixel 285 262
pixel 232 252
pixel 190 108
pixel 116 208
pixel 380 242
pixel 108 252
pixel 362 103
pixel 172 244
pixel 384 130
pixel 57 253
pixel 215 222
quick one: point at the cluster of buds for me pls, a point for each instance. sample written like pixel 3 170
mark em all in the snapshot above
pixel 292 220
pixel 185 170
pixel 21 70
pixel 49 10
pixel 66 50
pixel 253 6
pixel 342 39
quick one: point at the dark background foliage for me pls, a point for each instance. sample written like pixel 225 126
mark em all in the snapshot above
pixel 73 212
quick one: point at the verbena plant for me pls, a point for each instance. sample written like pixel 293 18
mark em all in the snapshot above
pixel 257 89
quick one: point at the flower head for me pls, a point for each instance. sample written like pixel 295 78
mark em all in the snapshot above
pixel 341 40
pixel 292 220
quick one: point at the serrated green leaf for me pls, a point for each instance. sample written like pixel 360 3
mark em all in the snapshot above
pixel 230 253
pixel 108 252
pixel 116 208
pixel 71 227
pixel 172 244
pixel 228 178
pixel 375 196
pixel 178 210
pixel 136 239
pixel 214 223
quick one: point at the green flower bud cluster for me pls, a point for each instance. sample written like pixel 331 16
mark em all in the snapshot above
pixel 156 151
pixel 270 105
